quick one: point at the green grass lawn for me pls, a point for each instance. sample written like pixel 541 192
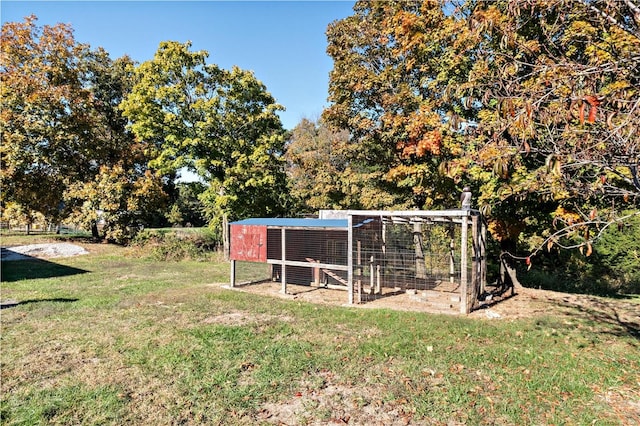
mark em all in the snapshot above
pixel 112 339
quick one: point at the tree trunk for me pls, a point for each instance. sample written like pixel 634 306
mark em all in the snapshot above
pixel 94 231
pixel 421 269
pixel 508 275
pixel 226 246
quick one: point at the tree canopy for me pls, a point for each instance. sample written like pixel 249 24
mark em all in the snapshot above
pixel 322 174
pixel 100 141
pixel 221 124
pixel 533 103
pixel 45 115
pixel 63 136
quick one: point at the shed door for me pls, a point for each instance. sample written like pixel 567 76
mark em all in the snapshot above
pixel 249 243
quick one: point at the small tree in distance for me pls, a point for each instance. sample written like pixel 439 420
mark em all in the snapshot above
pixel 323 173
pixel 187 209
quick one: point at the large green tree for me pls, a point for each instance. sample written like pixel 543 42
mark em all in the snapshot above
pixel 534 103
pixel 221 124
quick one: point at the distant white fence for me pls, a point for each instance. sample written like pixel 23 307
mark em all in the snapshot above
pixel 40 228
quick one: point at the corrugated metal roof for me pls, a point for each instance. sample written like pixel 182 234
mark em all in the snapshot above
pixel 294 222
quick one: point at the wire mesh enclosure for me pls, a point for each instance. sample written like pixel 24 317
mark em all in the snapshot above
pixel 300 251
pixel 436 255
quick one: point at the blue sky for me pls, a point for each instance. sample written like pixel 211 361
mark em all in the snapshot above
pixel 282 42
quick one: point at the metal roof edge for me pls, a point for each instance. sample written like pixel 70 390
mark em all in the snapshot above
pixel 343 214
pixel 294 223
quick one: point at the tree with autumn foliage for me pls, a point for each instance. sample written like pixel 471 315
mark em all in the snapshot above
pixel 65 147
pixel 314 166
pixel 44 115
pixel 119 199
pixel 322 175
pixel 380 92
pixel 534 103
pixel 555 101
pixel 221 124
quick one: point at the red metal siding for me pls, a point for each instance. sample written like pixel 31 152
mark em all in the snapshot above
pixel 249 243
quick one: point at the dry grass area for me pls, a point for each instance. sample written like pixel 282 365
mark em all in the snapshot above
pixel 622 314
pixel 525 303
pixel 111 339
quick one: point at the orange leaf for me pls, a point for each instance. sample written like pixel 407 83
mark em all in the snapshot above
pixel 593 214
pixel 592 114
pixel 581 113
pixel 593 111
pixel 592 100
pixel 589 250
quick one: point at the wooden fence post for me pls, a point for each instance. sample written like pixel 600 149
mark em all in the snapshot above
pixel 464 285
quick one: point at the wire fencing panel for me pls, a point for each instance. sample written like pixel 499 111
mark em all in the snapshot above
pixel 401 253
pixel 252 272
pixel 310 247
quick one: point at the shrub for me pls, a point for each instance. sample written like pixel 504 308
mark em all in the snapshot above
pixel 175 245
pixel 618 256
pixel 613 268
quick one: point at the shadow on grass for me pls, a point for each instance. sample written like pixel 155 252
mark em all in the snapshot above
pixel 12 303
pixel 623 318
pixel 29 268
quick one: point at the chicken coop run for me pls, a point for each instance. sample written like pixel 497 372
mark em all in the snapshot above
pixel 437 255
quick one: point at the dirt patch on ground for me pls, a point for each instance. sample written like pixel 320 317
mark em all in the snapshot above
pixel 624 402
pixel 243 318
pixel 325 400
pixel 622 313
pixel 525 303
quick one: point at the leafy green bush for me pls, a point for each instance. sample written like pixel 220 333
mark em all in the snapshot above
pixel 613 268
pixel 618 256
pixel 175 245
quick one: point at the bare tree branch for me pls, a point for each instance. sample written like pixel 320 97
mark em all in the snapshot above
pixel 635 9
pixel 612 20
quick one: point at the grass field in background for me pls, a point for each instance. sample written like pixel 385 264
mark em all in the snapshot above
pixel 110 338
